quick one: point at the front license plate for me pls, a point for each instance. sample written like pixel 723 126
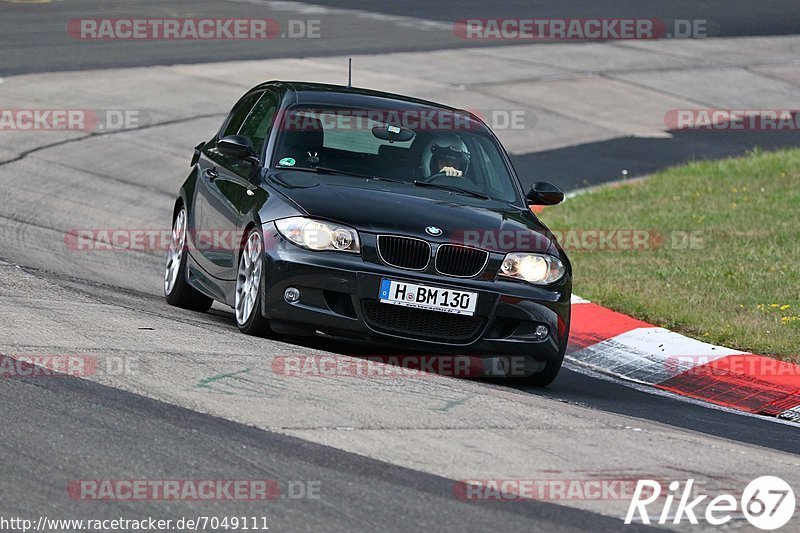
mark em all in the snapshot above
pixel 431 298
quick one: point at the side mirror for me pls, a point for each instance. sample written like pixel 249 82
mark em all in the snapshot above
pixel 544 193
pixel 237 147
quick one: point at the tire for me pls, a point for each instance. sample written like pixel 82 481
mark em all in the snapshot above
pixel 550 372
pixel 177 290
pixel 546 376
pixel 249 283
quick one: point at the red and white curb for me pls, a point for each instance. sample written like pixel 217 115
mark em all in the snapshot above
pixel 616 344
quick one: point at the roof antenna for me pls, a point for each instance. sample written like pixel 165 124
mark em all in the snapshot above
pixel 350 73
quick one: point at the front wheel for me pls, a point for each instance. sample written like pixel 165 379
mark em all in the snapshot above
pixel 177 290
pixel 546 376
pixel 249 281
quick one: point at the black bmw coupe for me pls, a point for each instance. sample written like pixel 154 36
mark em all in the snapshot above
pixel 362 214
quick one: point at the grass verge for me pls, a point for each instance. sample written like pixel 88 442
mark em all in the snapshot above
pixel 720 261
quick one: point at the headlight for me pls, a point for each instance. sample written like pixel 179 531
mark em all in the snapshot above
pixel 318 235
pixel 540 269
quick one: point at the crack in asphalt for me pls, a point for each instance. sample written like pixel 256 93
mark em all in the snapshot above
pixel 115 179
pixel 91 135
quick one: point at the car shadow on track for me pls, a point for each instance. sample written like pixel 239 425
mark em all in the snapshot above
pixel 571 386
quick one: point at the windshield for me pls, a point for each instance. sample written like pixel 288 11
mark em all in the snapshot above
pixel 432 148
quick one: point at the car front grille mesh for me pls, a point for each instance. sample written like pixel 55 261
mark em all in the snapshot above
pixel 420 323
pixel 455 260
pixel 404 252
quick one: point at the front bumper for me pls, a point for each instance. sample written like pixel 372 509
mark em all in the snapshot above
pixel 339 297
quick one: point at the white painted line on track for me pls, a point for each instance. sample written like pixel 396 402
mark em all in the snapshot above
pixel 316 9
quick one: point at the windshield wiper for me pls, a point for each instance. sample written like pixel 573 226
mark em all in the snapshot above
pixel 379 178
pixel 452 188
pixel 328 170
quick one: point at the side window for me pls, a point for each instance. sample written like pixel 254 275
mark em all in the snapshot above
pixel 239 113
pixel 258 123
pixel 491 170
pixel 252 117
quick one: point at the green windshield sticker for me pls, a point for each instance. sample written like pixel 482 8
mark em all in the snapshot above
pixel 287 162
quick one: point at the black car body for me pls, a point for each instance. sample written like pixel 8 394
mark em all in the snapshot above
pixel 258 170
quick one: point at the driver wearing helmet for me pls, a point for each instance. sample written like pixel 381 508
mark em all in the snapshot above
pixel 448 156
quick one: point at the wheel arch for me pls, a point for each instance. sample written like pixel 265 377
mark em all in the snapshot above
pixel 179 202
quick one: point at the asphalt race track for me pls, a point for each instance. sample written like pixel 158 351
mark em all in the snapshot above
pixel 182 395
pixel 34 39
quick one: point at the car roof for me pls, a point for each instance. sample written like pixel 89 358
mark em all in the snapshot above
pixel 329 94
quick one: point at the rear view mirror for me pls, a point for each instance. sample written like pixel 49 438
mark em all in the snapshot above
pixel 392 133
pixel 544 193
pixel 237 147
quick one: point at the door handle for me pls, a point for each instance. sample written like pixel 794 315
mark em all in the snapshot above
pixel 211 173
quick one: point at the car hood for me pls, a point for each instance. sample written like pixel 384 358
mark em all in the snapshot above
pixel 389 208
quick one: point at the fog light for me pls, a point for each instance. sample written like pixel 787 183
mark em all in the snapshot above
pixel 541 332
pixel 292 294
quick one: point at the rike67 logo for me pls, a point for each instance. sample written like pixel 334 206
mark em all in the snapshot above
pixel 767 502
